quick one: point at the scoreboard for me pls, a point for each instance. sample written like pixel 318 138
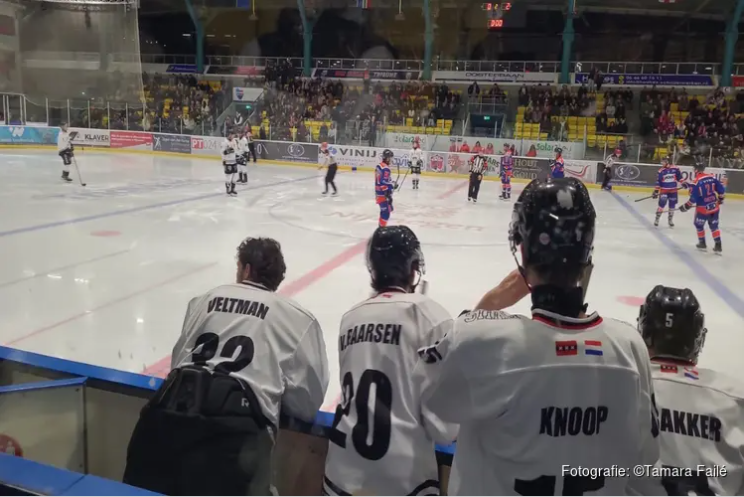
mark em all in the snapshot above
pixel 497 14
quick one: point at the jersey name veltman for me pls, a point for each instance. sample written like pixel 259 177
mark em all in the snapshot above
pixel 238 306
pixel 572 421
pixel 371 333
pixel 691 424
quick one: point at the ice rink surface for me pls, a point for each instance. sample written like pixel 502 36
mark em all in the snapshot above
pixel 103 274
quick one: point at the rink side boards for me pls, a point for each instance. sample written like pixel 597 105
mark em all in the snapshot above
pixel 110 404
pixel 590 179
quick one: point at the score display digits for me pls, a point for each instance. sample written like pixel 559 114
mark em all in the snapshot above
pixel 495 13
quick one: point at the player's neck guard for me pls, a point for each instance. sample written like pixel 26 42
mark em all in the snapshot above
pixel 567 302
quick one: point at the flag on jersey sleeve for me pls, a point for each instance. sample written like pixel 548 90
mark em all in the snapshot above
pixel 566 347
pixel 592 347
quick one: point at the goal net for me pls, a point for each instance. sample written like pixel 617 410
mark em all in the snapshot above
pixel 80 62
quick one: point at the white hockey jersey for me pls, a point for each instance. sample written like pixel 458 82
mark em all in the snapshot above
pixel 242 146
pixel 264 339
pixel 537 396
pixel 417 155
pixel 63 140
pixel 229 148
pixel 701 415
pixel 382 440
pixel 327 159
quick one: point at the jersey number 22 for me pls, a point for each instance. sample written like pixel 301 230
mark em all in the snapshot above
pixel 380 422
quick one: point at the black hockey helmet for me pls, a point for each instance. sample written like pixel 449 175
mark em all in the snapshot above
pixel 666 160
pixel 558 150
pixel 554 222
pixel 393 253
pixel 387 155
pixel 670 322
pixel 699 164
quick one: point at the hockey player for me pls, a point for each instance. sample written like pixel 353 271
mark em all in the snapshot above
pixel 560 389
pixel 399 458
pixel 245 354
pixel 241 157
pixel 329 161
pixel 65 150
pixel 416 163
pixel 701 411
pixel 229 163
pixel 478 166
pixel 608 163
pixel 667 186
pixel 707 194
pixel 557 167
pixel 506 173
pixel 384 187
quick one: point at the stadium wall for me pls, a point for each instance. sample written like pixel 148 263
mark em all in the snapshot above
pixel 634 177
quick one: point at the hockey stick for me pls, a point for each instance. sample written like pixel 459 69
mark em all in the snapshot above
pixel 80 178
pixel 400 185
pixel 651 196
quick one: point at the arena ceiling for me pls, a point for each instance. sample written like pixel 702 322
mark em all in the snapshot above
pixel 710 9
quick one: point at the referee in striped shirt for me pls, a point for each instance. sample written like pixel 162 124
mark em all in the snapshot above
pixel 478 166
pixel 608 162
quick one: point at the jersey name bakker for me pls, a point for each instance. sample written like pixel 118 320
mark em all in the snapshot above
pixel 701 414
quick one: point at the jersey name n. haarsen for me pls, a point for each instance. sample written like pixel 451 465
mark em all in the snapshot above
pixel 701 417
pixel 478 165
pixel 382 441
pixel 263 339
pixel 533 395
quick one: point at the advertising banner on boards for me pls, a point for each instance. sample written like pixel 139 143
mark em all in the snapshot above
pixel 131 139
pixel 90 137
pixel 367 157
pixel 206 145
pixel 287 151
pixel 171 143
pixel 28 135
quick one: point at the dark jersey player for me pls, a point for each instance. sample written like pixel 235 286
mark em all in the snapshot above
pixel 384 187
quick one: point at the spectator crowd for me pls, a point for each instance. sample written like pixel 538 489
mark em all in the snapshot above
pixel 696 125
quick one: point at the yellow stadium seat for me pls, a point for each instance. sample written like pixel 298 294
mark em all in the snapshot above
pixel 591 140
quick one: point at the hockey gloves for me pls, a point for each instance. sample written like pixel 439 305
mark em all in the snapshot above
pixel 684 207
pixel 655 195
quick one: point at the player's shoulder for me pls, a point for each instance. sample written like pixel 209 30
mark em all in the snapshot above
pixel 493 326
pixel 697 377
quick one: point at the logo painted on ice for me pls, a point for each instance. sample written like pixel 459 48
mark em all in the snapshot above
pixel 296 150
pixel 17 132
pixel 628 172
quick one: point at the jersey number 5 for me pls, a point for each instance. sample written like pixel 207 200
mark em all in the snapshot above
pixel 210 342
pixel 380 423
pixel 545 485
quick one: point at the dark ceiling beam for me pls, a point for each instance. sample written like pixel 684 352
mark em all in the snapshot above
pixel 631 11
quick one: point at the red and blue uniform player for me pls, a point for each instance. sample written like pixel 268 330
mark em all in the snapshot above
pixel 384 187
pixel 706 194
pixel 557 168
pixel 506 173
pixel 668 184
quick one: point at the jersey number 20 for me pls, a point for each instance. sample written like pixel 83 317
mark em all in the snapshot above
pixel 380 422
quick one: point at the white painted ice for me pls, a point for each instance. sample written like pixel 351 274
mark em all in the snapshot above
pixel 118 300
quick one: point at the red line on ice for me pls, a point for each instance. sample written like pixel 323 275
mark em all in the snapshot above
pixel 291 289
pixel 110 303
pixel 452 190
